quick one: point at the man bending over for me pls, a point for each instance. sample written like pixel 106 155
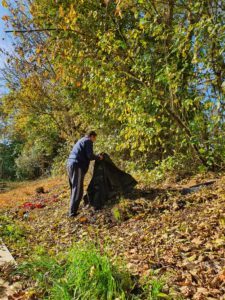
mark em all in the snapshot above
pixel 77 166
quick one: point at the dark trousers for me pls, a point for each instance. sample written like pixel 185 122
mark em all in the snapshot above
pixel 76 181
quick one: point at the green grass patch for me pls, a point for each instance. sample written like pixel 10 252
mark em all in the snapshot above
pixel 13 233
pixel 154 290
pixel 10 229
pixel 84 273
pixel 87 273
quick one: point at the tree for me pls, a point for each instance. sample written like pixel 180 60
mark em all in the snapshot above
pixel 149 74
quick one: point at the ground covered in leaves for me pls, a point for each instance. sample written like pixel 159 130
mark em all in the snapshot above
pixel 169 232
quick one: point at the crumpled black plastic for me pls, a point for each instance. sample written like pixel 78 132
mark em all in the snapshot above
pixel 108 182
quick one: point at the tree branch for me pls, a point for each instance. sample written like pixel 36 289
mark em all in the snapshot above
pixel 42 30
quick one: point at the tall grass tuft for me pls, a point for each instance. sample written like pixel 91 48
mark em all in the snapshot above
pixel 84 273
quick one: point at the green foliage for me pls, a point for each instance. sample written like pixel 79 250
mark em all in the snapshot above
pixel 177 166
pixel 36 158
pixel 116 214
pixel 149 76
pixel 8 153
pixel 28 164
pixel 173 168
pixel 11 231
pixel 59 162
pixel 84 273
pixel 154 290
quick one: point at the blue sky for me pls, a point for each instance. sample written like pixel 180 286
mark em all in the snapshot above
pixel 5 42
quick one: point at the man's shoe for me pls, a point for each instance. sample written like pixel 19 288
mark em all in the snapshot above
pixel 73 215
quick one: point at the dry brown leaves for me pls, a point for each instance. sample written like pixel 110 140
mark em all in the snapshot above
pixel 179 237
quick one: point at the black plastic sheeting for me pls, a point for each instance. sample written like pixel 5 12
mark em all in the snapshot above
pixel 108 182
pixel 196 187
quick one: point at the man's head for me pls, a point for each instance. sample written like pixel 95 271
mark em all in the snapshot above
pixel 92 135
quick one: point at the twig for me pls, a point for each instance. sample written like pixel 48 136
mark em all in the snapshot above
pixel 41 30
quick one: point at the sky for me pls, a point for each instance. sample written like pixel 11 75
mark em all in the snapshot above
pixel 5 44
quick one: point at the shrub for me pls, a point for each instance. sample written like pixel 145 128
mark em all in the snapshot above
pixel 29 164
pixel 59 163
pixel 8 153
pixel 172 168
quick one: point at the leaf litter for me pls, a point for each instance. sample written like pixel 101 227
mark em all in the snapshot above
pixel 157 231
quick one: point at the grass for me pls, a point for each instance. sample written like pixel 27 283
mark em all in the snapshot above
pixel 10 230
pixel 116 214
pixel 154 290
pixel 86 273
pixel 13 233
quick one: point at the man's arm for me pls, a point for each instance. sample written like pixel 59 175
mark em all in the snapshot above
pixel 89 151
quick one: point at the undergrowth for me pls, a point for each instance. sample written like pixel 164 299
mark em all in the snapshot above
pixel 172 168
pixel 12 232
pixel 86 273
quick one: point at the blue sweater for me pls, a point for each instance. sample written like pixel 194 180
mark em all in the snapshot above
pixel 82 153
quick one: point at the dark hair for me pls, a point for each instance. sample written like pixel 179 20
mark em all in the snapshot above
pixel 91 133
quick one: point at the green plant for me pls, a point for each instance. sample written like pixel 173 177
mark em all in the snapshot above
pixel 8 153
pixel 154 290
pixel 116 214
pixel 150 98
pixel 172 168
pixel 84 273
pixel 10 230
pixel 14 234
pixel 31 162
pixel 59 163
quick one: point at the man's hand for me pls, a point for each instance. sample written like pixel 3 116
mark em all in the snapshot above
pixel 100 156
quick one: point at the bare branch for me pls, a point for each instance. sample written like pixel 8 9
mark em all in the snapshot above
pixel 42 30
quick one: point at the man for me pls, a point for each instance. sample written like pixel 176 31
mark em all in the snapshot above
pixel 77 166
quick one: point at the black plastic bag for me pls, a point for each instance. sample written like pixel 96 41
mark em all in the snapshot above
pixel 107 183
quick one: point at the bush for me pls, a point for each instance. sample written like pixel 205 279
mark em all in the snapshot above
pixel 59 162
pixel 32 162
pixel 8 153
pixel 172 169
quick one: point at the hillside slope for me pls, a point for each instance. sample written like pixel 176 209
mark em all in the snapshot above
pixel 170 232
